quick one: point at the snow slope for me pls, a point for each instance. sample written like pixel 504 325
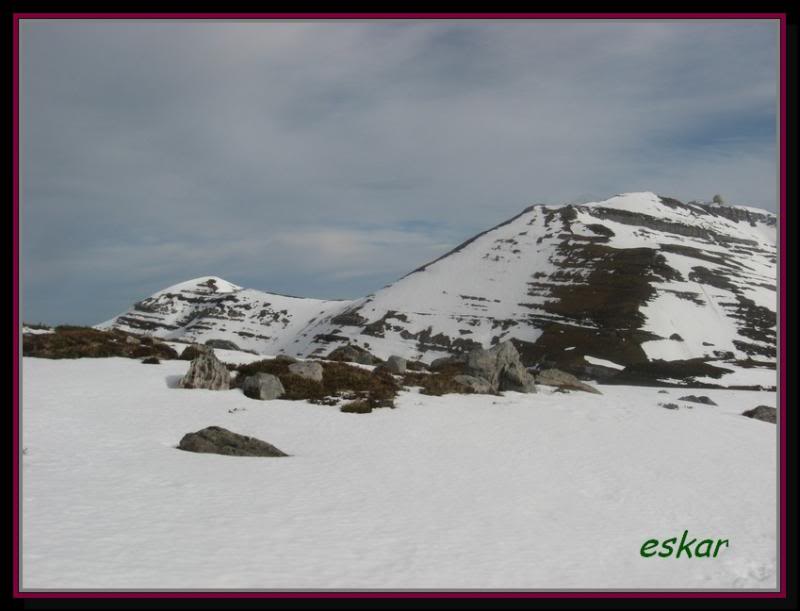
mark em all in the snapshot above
pixel 631 278
pixel 520 491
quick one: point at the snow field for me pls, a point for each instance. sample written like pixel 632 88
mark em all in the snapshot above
pixel 520 491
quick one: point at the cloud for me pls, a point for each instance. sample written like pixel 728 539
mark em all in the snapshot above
pixel 298 157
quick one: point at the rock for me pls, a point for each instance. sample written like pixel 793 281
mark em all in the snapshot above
pixel 191 352
pixel 476 385
pixel 151 361
pixel 501 368
pixel 668 405
pixel 697 399
pixel 762 412
pixel 131 340
pixel 353 354
pixel 662 392
pixel 222 344
pixel 206 371
pixel 308 369
pixel 561 379
pixel 356 407
pixel 285 358
pixel 262 386
pixel 216 440
pixel 396 364
pixel 676 337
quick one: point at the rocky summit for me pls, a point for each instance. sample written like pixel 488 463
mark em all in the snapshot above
pixel 636 287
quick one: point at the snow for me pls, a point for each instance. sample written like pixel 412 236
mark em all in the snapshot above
pixel 33 331
pixel 602 362
pixel 460 491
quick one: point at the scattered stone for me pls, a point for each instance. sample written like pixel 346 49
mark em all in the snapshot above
pixel 262 386
pixel 669 405
pixel 562 379
pixel 309 369
pixel 763 412
pixel 221 344
pixel 206 371
pixel 151 361
pixel 697 399
pixel 217 440
pixel 396 364
pixel 662 392
pixel 676 337
pixel 474 384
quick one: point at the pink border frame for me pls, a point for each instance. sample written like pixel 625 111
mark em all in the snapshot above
pixel 781 17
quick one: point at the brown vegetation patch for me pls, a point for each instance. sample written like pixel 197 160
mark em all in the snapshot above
pixel 72 342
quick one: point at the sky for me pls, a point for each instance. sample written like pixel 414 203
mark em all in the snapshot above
pixel 328 159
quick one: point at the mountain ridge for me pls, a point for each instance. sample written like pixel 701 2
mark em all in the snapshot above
pixel 617 280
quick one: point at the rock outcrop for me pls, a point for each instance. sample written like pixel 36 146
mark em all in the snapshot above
pixel 217 440
pixel 206 371
pixel 501 367
pixel 262 386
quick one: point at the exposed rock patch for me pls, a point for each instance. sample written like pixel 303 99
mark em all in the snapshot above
pixel 262 386
pixel 206 371
pixel 217 440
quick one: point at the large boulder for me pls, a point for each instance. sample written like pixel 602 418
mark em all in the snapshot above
pixel 222 344
pixel 476 385
pixel 562 379
pixel 501 367
pixel 762 412
pixel 216 440
pixel 206 371
pixel 262 386
pixel 396 364
pixel 308 369
pixel 353 354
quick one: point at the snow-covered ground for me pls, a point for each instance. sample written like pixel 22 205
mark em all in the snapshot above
pixel 544 491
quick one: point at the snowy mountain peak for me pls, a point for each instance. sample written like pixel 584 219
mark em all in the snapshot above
pixel 627 280
pixel 205 285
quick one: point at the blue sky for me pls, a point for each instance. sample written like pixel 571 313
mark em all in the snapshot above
pixel 328 159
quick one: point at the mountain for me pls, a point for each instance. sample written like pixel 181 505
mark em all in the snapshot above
pixel 631 280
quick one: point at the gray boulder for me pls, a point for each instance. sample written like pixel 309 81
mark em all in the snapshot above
pixel 206 371
pixel 476 385
pixel 561 379
pixel 285 358
pixel 763 412
pixel 501 367
pixel 308 369
pixel 132 340
pixel 262 386
pixel 396 364
pixel 221 344
pixel 216 440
